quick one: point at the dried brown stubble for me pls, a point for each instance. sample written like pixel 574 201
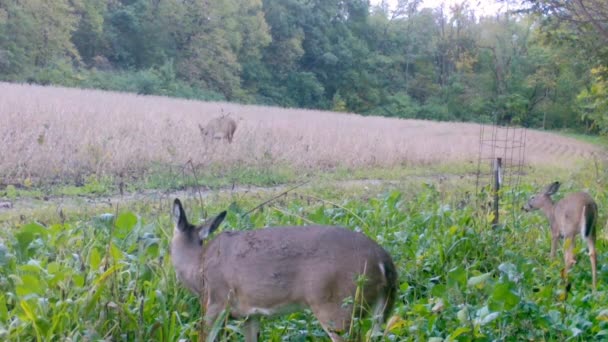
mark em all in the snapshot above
pixel 52 132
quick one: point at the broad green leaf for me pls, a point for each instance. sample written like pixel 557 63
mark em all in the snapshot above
pixel 576 331
pixel 420 309
pixel 603 315
pixel 32 266
pixel 152 251
pixel 602 334
pixel 479 280
pixel 106 217
pixel 3 310
pixel 489 318
pixel 457 276
pixel 458 332
pixel 502 294
pixel 34 228
pixel 453 230
pixel 124 224
pixel 28 233
pixel 116 253
pixel 53 267
pixel 94 259
pixel 510 270
pixel 439 290
pixel 463 315
pixel 29 285
pixel 78 280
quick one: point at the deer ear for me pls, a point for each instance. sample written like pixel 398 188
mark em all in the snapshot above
pixel 211 225
pixel 552 188
pixel 179 215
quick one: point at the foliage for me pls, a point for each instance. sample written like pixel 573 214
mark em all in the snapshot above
pixel 594 102
pixel 412 62
pixel 108 277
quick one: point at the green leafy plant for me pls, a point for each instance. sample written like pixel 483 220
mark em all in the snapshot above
pixel 108 276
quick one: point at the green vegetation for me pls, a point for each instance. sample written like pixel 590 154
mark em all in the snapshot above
pixel 591 139
pixel 159 178
pixel 85 270
pixel 164 178
pixel 108 275
pixel 543 68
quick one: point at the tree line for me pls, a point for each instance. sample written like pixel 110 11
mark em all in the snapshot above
pixel 543 67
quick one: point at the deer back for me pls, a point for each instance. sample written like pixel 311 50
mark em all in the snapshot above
pixel 576 213
pixel 278 269
pixel 219 128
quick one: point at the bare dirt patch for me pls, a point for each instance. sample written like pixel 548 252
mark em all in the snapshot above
pixel 26 205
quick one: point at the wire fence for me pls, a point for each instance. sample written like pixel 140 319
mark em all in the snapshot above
pixel 501 160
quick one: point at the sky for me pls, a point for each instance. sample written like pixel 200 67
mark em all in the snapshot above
pixel 485 7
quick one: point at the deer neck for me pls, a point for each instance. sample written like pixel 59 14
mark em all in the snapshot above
pixel 187 257
pixel 549 210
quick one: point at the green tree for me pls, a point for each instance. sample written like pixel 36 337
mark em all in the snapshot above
pixel 35 33
pixel 593 102
pixel 217 38
pixel 88 35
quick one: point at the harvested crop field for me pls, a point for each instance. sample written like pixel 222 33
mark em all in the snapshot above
pixel 51 133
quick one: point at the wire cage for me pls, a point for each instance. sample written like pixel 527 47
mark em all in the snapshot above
pixel 501 160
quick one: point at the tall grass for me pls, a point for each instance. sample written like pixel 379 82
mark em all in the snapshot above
pixel 51 134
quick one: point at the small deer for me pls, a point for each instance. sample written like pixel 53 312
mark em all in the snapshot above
pixel 279 270
pixel 576 213
pixel 219 128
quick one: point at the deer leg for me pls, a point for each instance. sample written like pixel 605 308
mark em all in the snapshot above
pixel 571 252
pixel 333 335
pixel 593 259
pixel 379 309
pixel 568 254
pixel 333 318
pixel 202 335
pixel 252 329
pixel 554 242
pixel 211 311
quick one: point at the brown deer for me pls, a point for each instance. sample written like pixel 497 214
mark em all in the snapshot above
pixel 279 270
pixel 219 128
pixel 576 213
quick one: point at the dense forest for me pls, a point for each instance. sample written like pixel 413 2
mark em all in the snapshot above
pixel 542 65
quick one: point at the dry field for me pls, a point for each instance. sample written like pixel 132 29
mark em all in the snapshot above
pixel 55 133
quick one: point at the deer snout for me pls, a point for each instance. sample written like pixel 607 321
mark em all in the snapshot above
pixel 526 207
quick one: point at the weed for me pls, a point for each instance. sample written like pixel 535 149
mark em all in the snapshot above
pixel 108 276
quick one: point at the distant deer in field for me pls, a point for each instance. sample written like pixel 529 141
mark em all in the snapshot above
pixel 219 128
pixel 576 213
pixel 279 270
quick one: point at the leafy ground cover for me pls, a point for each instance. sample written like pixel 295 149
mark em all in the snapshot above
pixel 106 274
